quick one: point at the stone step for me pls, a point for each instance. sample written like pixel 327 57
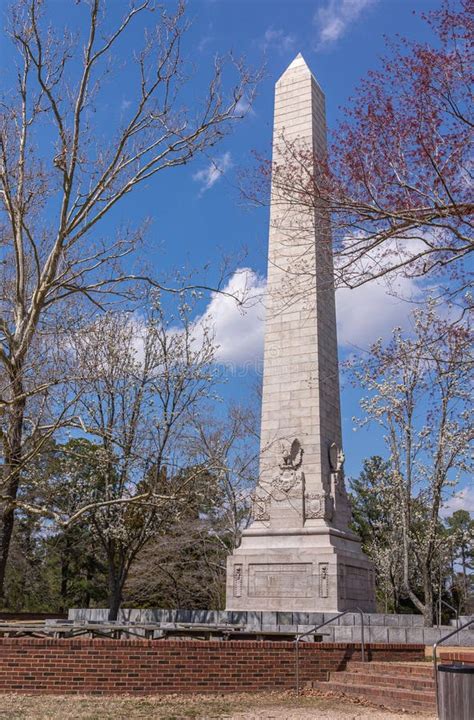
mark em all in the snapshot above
pixel 399 669
pixel 402 681
pixel 385 696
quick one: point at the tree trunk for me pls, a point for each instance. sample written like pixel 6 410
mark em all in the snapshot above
pixel 465 582
pixel 12 448
pixel 396 600
pixel 6 529
pixel 428 604
pixel 406 577
pixel 115 600
pixel 116 583
pixel 65 573
pixel 89 580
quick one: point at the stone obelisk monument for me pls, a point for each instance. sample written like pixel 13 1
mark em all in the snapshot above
pixel 299 554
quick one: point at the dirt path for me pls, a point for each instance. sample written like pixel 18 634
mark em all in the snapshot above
pixel 268 706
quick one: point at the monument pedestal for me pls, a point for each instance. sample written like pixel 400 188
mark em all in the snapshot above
pixel 313 569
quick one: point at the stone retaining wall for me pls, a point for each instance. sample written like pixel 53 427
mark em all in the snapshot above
pixel 140 667
pixel 379 628
pixel 250 618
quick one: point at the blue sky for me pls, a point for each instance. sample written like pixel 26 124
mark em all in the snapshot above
pixel 196 213
pixel 340 41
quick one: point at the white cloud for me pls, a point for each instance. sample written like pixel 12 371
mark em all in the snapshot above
pixel 363 315
pixel 238 329
pixel 208 176
pixel 462 500
pixel 278 39
pixel 335 18
pixel 204 42
pixel 373 310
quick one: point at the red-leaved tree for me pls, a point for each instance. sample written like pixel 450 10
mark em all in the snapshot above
pixel 397 178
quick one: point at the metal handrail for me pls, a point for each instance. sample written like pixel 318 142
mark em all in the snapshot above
pixel 435 659
pixel 455 610
pixel 318 627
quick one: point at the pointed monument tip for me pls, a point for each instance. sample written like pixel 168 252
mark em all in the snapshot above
pixel 298 63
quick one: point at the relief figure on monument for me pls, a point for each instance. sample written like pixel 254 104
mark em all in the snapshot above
pixel 338 486
pixel 336 462
pixel 290 478
pixel 260 505
pixel 318 506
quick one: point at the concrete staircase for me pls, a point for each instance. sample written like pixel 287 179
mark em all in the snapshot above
pixel 398 686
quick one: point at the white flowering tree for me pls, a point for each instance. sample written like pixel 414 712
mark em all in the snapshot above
pixel 372 499
pixel 418 392
pixel 143 378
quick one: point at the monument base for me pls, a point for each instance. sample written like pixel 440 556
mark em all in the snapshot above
pixel 310 569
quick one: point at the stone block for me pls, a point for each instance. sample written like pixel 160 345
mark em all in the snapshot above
pixel 328 633
pixel 254 620
pixel 397 635
pixel 301 618
pixel 377 619
pixel 464 638
pixel 204 616
pixel 238 618
pixel 349 619
pixel 377 634
pixel 432 635
pixel 284 618
pixel 304 628
pixel 403 620
pixel 290 628
pixel 315 618
pixel 343 633
pixel 414 635
pixel 392 620
pixel 331 616
pixel 151 615
pixel 184 616
pixel 269 618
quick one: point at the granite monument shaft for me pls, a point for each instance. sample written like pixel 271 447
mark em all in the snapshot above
pixel 298 553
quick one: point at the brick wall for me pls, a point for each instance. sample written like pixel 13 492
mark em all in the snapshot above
pixel 114 667
pixel 462 655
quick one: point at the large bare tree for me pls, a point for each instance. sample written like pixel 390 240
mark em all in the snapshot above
pixel 61 176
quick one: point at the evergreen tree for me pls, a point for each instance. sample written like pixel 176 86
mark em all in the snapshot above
pixel 460 536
